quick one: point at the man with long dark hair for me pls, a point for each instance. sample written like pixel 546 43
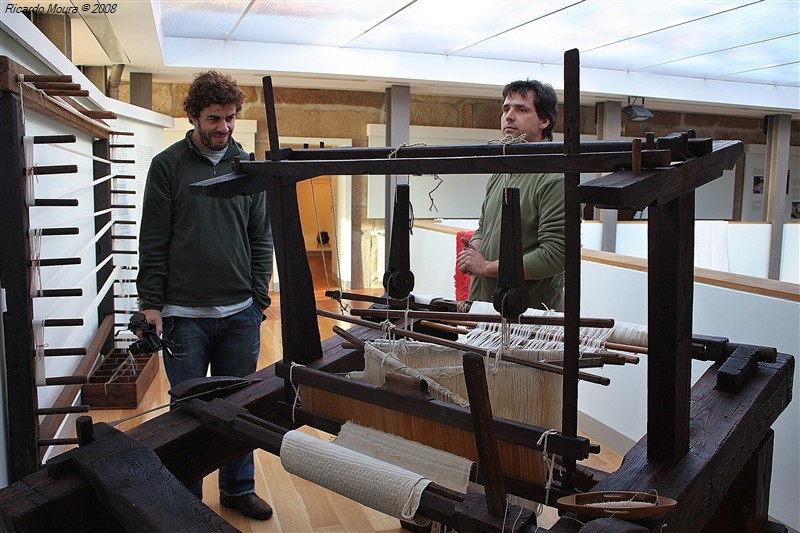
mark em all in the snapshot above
pixel 529 114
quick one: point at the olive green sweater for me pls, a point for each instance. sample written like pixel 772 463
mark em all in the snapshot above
pixel 542 213
pixel 197 251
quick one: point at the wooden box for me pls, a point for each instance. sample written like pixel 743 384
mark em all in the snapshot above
pixel 120 381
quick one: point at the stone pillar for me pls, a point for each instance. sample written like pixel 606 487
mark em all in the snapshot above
pixel 57 28
pixel 609 122
pixel 142 89
pixel 777 204
pixel 398 126
pixel 97 75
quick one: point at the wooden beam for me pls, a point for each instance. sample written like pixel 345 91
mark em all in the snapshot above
pixel 38 101
pixel 725 431
pixel 136 488
pixel 15 255
pixel 629 190
pixel 670 290
pixel 255 176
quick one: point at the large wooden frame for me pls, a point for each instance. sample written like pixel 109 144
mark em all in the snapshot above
pixel 729 434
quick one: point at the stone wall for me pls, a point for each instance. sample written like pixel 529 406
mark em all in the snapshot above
pixel 332 113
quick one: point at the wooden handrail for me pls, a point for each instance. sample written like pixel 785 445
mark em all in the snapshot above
pixel 737 282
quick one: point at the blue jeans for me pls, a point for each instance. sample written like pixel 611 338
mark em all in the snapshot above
pixel 229 346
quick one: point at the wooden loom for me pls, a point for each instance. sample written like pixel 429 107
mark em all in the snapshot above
pixel 701 479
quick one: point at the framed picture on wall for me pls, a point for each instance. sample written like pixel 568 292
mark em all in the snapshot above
pixel 758 184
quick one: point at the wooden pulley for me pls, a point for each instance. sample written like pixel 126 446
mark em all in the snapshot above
pixel 398 280
pixel 510 298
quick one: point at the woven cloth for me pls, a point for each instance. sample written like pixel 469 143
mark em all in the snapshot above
pixel 462 280
pixel 443 468
pixel 381 486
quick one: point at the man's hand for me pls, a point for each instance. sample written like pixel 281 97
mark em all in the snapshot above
pixel 153 317
pixel 471 261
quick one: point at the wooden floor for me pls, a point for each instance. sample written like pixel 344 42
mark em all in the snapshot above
pixel 299 505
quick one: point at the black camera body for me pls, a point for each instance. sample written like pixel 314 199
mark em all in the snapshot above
pixel 150 342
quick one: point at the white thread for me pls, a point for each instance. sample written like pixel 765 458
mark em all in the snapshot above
pixel 83 154
pixel 93 183
pixel 319 235
pixel 549 461
pixel 336 240
pixel 127 365
pixel 60 102
pixel 39 344
pixel 36 250
pixel 393 153
pixel 30 176
pixel 296 389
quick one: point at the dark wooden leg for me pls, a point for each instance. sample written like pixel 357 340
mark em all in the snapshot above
pixel 15 255
pixel 670 234
pixel 485 436
pixel 746 504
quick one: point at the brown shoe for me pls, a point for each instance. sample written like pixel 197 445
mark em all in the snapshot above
pixel 249 505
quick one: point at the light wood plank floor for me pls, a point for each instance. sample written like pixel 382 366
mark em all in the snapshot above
pixel 300 506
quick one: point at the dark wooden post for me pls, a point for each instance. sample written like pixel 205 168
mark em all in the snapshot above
pixel 301 341
pixel 15 275
pixel 572 258
pixel 745 506
pixel 104 245
pixel 670 286
pixel 485 435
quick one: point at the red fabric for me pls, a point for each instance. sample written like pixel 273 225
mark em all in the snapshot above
pixel 462 280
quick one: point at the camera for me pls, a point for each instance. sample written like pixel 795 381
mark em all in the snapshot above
pixel 150 342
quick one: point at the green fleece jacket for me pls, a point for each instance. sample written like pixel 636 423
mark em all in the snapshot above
pixel 542 213
pixel 197 251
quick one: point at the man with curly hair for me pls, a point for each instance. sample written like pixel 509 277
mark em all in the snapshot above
pixel 205 263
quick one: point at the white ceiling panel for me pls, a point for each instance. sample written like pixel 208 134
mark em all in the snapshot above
pixel 446 26
pixel 205 20
pixel 718 53
pixel 750 63
pixel 710 47
pixel 593 24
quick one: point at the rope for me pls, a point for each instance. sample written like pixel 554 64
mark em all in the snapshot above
pixel 393 153
pixel 127 365
pixel 92 157
pixel 296 389
pixel 176 402
pixel 319 234
pixel 342 307
pixel 507 178
pixel 61 103
pixel 39 344
pixel 549 461
pixel 36 250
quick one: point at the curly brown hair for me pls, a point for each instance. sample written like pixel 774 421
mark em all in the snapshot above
pixel 209 88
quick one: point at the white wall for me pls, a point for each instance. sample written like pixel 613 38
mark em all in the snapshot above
pixel 735 247
pixel 742 317
pixel 455 196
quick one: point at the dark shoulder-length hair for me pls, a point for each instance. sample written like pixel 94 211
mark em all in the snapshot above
pixel 544 100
